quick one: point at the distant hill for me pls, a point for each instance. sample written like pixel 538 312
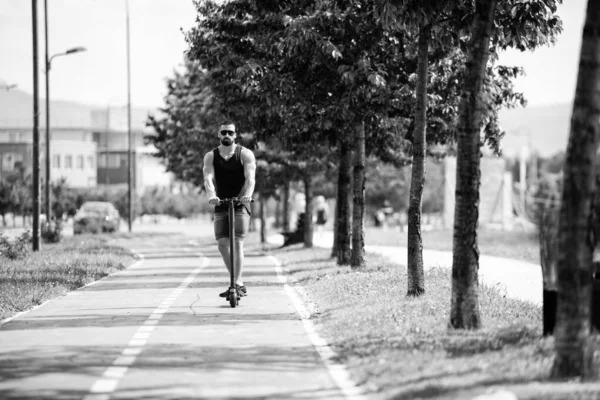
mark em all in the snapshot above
pixel 548 126
pixel 16 111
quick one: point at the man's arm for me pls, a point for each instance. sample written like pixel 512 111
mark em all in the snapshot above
pixel 209 178
pixel 249 173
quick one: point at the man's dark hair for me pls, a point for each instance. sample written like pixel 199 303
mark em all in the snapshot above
pixel 227 122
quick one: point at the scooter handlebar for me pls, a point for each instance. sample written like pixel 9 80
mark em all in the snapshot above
pixel 235 200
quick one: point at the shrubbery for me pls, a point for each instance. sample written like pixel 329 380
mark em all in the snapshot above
pixel 51 232
pixel 17 249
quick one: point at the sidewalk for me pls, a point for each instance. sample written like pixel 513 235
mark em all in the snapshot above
pixel 158 330
pixel 519 279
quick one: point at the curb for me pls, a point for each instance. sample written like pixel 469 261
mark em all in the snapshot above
pixel 338 372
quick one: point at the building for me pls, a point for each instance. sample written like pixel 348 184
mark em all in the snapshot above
pixel 88 144
pixel 110 132
pixel 73 150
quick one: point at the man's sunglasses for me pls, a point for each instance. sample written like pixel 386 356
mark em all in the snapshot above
pixel 230 133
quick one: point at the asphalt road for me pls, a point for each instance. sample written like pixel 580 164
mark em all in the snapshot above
pixel 158 330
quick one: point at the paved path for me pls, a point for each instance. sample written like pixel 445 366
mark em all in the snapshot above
pixel 158 330
pixel 518 279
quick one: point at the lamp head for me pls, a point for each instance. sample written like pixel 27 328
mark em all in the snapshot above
pixel 78 49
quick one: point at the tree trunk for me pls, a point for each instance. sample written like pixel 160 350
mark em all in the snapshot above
pixel 286 207
pixel 575 242
pixel 308 211
pixel 548 240
pixel 343 205
pixel 334 247
pixel 464 312
pixel 278 213
pixel 358 208
pixel 261 214
pixel 416 276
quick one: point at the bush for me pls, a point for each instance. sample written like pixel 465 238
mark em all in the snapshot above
pixel 17 250
pixel 52 232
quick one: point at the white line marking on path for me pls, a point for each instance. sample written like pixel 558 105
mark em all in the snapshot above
pixel 105 386
pixel 338 371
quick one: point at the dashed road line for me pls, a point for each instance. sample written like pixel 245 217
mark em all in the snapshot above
pixel 338 372
pixel 105 386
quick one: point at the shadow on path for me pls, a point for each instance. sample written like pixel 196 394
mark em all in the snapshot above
pixel 176 358
pixel 186 317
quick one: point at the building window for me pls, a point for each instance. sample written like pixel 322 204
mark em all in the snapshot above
pixel 90 162
pixel 102 160
pixel 56 161
pixel 12 137
pixel 68 161
pixel 79 162
pixel 114 161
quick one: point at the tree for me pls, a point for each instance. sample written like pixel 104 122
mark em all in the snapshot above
pixel 416 276
pixel 154 201
pixel 186 127
pixel 5 200
pixel 465 255
pixel 573 350
pixel 62 198
pixel 524 25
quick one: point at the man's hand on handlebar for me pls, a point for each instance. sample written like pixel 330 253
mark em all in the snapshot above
pixel 214 200
pixel 245 199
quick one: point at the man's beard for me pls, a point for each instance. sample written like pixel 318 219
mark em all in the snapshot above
pixel 226 141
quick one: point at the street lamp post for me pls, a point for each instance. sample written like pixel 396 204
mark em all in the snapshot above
pixel 129 134
pixel 47 206
pixel 36 134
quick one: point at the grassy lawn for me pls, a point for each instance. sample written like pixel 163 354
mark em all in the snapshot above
pixel 57 269
pixel 401 348
pixel 516 244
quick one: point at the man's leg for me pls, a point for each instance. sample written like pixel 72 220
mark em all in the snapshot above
pixel 223 246
pixel 239 257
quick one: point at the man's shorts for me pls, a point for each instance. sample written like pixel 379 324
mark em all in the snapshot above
pixel 242 223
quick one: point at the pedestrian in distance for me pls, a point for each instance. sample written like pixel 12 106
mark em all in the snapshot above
pixel 229 171
pixel 322 212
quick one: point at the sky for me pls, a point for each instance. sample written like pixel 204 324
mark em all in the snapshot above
pixel 99 75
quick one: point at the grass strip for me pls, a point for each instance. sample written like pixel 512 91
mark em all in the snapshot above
pixel 399 347
pixel 518 244
pixel 57 269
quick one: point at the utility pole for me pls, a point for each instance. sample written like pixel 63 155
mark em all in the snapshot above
pixel 47 208
pixel 129 136
pixel 36 133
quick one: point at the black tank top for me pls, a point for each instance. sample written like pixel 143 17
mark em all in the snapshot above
pixel 229 176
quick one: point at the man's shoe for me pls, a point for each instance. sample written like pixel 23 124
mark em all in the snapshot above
pixel 241 290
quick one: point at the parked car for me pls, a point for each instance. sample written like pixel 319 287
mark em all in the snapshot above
pixel 96 217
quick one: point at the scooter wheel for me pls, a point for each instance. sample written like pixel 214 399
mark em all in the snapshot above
pixel 233 300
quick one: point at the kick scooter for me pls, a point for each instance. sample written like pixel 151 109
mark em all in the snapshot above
pixel 233 296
